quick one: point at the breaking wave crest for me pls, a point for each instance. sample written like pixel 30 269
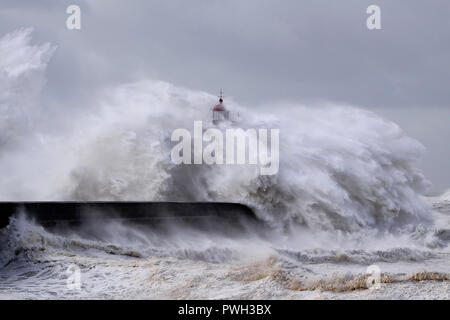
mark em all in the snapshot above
pixel 22 77
pixel 347 194
pixel 341 168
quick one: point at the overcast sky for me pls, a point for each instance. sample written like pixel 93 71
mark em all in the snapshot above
pixel 260 51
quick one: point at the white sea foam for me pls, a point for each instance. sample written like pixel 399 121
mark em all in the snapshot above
pixel 347 195
pixel 341 167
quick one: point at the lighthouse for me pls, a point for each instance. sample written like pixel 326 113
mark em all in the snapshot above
pixel 220 113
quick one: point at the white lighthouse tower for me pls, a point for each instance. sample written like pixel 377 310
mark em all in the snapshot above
pixel 220 113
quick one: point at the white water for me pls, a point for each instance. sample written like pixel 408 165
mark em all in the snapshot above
pixel 348 195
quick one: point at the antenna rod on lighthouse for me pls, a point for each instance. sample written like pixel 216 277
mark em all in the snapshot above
pixel 221 96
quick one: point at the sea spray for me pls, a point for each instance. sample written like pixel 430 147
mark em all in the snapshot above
pixel 341 168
